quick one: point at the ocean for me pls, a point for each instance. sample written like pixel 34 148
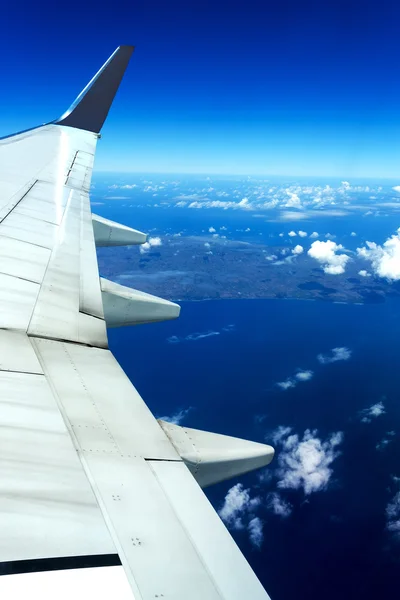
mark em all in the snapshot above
pixel 219 365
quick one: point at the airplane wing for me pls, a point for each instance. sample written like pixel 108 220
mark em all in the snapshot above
pixel 97 498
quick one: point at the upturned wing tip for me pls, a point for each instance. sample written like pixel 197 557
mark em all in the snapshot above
pixel 90 109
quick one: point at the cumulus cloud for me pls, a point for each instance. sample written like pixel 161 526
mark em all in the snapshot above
pixel 364 273
pixel 151 243
pixel 285 385
pixel 298 249
pixel 212 230
pixel 396 188
pixel 255 529
pixel 341 353
pixel 326 254
pixel 353 234
pixel 304 375
pixel 178 417
pixel 207 245
pixel 302 233
pixel 314 235
pixel 374 411
pixel 292 234
pixel 293 202
pixel 238 506
pixel 385 259
pixel 291 382
pixel 306 463
pixel 277 505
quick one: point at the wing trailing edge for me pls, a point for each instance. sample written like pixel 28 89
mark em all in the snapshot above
pixel 90 109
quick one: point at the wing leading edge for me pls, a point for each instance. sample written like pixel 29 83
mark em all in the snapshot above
pixel 89 478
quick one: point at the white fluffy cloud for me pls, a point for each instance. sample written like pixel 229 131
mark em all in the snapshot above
pixel 278 506
pixel 292 234
pixel 293 202
pixel 207 245
pixel 326 254
pixel 364 273
pixel 306 463
pixel 385 259
pixel 285 385
pixel 314 235
pixel 255 529
pixel 341 353
pixel 291 382
pixel 178 417
pixel 151 242
pixel 298 249
pixel 238 507
pixel 302 233
pixel 353 234
pixel 304 375
pixel 212 230
pixel 374 411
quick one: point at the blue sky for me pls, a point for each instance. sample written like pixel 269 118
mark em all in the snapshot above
pixel 253 87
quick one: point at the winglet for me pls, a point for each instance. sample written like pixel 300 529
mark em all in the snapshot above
pixel 90 109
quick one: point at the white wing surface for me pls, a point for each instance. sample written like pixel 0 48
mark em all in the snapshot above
pixel 95 494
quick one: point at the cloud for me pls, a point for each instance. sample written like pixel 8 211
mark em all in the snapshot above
pixel 393 512
pixel 353 234
pixel 385 259
pixel 292 234
pixel 396 188
pixel 278 506
pixel 364 273
pixel 325 254
pixel 192 337
pixel 291 382
pixel 314 235
pixel 279 433
pixel 341 353
pixel 305 463
pixel 151 243
pixel 385 441
pixel 207 245
pixel 212 230
pixel 255 529
pixel 247 229
pixel 285 385
pixel 293 202
pixel 178 417
pixel 374 411
pixel 298 249
pixel 302 233
pixel 304 375
pixel 238 505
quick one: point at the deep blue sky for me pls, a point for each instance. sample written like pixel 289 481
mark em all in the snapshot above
pixel 255 86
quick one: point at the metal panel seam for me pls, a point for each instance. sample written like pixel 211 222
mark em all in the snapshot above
pixel 22 197
pixel 187 532
pixel 90 478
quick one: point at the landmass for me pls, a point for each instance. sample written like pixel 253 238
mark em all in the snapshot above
pixel 202 268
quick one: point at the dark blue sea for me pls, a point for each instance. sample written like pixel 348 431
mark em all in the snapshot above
pixel 221 361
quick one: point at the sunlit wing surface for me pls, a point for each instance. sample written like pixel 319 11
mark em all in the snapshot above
pixel 95 494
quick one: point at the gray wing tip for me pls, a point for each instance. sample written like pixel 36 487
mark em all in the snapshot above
pixel 90 109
